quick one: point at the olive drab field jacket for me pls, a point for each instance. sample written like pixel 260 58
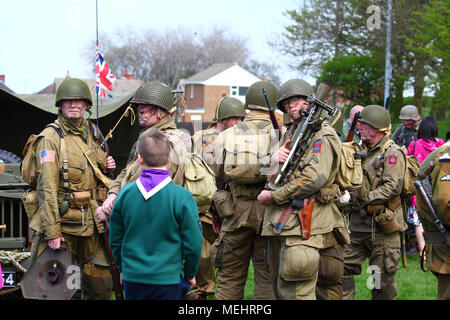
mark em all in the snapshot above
pixel 382 190
pixel 83 184
pixel 181 146
pixel 317 169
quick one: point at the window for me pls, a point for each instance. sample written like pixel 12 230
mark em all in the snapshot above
pixel 243 91
pixel 238 91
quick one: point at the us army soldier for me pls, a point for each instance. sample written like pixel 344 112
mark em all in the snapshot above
pixel 375 226
pixel 229 111
pixel 296 263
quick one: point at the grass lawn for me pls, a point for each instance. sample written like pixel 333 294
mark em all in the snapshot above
pixel 412 283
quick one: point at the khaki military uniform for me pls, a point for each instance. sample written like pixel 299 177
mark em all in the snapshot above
pixel 437 165
pixel 79 227
pixel 181 145
pixel 367 238
pixel 203 144
pixel 240 239
pixel 294 261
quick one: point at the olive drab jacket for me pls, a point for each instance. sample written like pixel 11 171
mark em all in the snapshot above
pixel 247 214
pixel 386 190
pixel 79 219
pixel 317 169
pixel 437 166
pixel 203 144
pixel 181 145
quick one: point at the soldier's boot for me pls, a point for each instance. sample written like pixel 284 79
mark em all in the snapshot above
pixel 349 287
pixel 96 282
pixel 205 276
pixel 388 289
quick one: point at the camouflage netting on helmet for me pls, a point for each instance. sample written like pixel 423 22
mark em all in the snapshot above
pixel 409 112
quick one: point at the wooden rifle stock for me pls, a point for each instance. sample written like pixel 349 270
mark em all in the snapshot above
pixel 115 274
pixel 351 132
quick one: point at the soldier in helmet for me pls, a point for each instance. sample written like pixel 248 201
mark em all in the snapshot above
pixel 407 132
pixel 297 265
pixel 155 106
pixel 229 111
pixel 436 168
pixel 70 166
pixel 243 172
pixel 377 217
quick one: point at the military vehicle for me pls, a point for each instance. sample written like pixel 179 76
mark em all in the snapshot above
pixel 14 234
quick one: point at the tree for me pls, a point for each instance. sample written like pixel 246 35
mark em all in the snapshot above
pixel 359 78
pixel 169 55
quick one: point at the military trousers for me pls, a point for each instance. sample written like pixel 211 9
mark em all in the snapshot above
pixel 383 252
pixel 443 284
pixel 205 277
pixel 89 254
pixel 331 272
pixel 231 254
pixel 294 268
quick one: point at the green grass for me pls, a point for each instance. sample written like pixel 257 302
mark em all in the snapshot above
pixel 412 283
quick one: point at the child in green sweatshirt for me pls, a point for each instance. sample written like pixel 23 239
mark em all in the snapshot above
pixel 155 231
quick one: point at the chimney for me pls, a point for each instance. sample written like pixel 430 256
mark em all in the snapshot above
pixel 67 74
pixel 2 78
pixel 126 75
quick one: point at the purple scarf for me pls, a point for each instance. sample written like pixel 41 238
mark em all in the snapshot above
pixel 151 178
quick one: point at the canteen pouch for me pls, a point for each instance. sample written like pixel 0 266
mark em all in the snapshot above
pixel 328 194
pixel 79 199
pixel 30 203
pixel 102 191
pixel 223 201
pixel 387 221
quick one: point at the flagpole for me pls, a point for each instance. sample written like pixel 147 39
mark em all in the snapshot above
pixel 96 25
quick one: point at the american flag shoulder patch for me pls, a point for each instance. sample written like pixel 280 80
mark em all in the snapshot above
pixel 47 156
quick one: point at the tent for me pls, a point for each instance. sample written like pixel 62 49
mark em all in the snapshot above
pixel 26 114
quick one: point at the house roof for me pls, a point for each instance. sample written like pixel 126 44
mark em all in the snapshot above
pixel 210 72
pixel 5 87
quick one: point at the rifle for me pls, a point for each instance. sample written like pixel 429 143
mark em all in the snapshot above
pixel 425 189
pixel 311 121
pixel 115 274
pixel 351 132
pixel 273 118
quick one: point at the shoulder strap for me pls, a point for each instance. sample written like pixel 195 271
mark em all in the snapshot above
pixel 63 153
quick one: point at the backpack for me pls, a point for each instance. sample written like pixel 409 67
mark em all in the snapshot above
pixel 350 173
pixel 247 152
pixel 199 180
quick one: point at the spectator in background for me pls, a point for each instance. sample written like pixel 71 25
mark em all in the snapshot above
pixel 348 123
pixel 426 142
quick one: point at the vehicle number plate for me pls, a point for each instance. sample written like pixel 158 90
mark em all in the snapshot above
pixel 9 279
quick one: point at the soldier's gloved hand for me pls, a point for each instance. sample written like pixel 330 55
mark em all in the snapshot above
pixel 217 224
pixel 110 164
pixel 344 199
pixel 265 198
pixel 100 214
pixel 55 244
pixel 108 204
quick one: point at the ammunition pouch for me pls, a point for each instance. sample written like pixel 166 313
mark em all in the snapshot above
pixel 328 194
pixel 224 204
pixel 79 199
pixel 102 192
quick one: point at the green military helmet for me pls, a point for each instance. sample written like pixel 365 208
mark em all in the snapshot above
pixel 254 98
pixel 73 89
pixel 155 93
pixel 409 112
pixel 377 116
pixel 292 88
pixel 229 107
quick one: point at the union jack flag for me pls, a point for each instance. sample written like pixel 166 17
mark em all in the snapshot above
pixel 104 80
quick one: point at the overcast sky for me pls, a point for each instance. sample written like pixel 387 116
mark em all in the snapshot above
pixel 41 40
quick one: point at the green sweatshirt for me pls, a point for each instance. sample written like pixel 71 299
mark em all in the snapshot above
pixel 154 241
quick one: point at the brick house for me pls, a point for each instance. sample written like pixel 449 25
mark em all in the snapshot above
pixel 204 90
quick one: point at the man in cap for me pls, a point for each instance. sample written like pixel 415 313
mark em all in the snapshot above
pixel 243 172
pixel 155 106
pixel 70 165
pixel 407 131
pixel 377 217
pixel 348 123
pixel 229 111
pixel 298 264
